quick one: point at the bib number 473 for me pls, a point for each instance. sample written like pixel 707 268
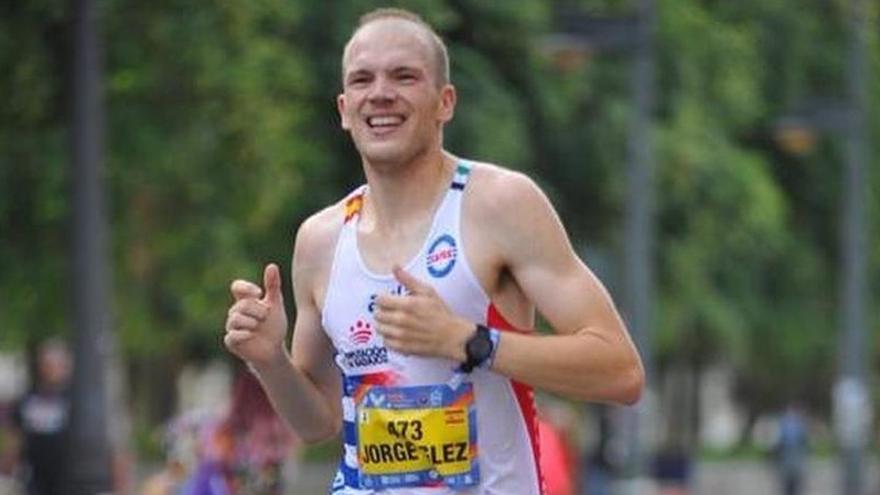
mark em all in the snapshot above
pixel 410 430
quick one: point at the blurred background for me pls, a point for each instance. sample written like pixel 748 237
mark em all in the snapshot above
pixel 713 161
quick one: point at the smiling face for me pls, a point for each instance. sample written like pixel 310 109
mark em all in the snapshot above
pixel 392 104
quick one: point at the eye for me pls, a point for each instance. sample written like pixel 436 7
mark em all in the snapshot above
pixel 358 79
pixel 407 77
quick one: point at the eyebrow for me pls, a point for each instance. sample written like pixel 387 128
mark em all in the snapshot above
pixel 407 68
pixel 357 72
pixel 394 70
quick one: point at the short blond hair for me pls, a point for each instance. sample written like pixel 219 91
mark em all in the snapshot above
pixel 438 47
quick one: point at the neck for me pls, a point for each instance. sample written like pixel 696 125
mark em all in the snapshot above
pixel 49 388
pixel 403 193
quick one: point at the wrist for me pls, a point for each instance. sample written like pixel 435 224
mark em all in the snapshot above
pixel 464 331
pixel 278 361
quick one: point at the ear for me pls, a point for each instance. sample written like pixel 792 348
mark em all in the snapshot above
pixel 448 98
pixel 340 107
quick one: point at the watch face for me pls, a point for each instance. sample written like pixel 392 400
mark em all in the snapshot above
pixel 479 348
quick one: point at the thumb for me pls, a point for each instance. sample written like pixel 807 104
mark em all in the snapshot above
pixel 242 289
pixel 412 284
pixel 272 284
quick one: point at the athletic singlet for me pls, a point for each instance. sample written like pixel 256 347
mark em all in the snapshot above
pixel 476 438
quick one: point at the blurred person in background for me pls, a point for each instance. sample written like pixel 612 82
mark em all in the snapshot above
pixel 40 422
pixel 245 451
pixel 180 443
pixel 672 469
pixel 599 462
pixel 435 374
pixel 792 450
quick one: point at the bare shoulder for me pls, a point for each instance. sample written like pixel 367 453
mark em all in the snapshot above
pixel 509 216
pixel 313 250
pixel 500 194
pixel 317 235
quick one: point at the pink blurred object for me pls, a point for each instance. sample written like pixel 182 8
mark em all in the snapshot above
pixel 557 460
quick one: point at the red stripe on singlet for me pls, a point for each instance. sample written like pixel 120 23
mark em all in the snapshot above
pixel 525 397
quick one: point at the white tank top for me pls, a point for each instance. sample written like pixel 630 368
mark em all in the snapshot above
pixel 506 425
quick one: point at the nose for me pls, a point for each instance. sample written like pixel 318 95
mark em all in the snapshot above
pixel 382 90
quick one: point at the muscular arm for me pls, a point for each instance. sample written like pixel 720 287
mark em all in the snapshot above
pixel 591 356
pixel 522 256
pixel 303 385
pixel 311 349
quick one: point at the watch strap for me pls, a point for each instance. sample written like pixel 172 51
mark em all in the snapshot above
pixel 495 337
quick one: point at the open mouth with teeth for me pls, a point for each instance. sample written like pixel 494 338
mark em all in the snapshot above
pixel 385 123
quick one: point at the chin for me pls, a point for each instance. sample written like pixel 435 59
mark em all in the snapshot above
pixel 384 153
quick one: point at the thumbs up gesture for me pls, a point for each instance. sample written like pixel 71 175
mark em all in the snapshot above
pixel 257 323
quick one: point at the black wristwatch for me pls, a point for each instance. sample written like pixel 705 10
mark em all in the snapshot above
pixel 478 348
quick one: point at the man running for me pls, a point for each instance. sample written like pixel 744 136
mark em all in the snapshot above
pixel 416 297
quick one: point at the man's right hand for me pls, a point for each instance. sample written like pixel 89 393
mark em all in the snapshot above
pixel 257 323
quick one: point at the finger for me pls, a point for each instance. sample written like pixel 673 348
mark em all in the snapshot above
pixel 234 338
pixel 403 347
pixel 238 321
pixel 386 317
pixel 242 289
pixel 272 283
pixel 412 284
pixel 390 302
pixel 250 307
pixel 388 331
pixel 397 347
pixel 393 344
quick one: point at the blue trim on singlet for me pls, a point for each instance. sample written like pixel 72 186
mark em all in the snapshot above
pixel 350 474
pixel 349 430
pixel 459 180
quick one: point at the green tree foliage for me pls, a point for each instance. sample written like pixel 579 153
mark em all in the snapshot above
pixel 208 157
pixel 32 172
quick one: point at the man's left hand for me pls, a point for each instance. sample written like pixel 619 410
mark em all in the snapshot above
pixel 420 323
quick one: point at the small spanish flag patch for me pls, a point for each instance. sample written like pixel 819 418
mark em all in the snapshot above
pixel 353 206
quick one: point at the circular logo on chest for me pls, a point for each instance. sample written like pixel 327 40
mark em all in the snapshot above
pixel 441 256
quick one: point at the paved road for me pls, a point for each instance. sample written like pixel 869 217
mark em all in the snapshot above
pixel 755 478
pixel 711 478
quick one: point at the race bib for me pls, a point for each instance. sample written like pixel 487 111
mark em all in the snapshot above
pixel 417 436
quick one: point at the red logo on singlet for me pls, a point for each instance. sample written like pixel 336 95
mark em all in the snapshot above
pixel 360 333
